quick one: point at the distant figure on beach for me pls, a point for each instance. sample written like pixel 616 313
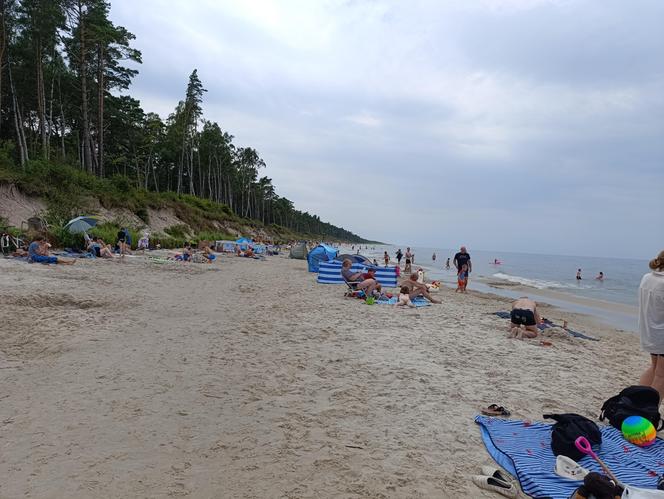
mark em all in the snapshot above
pixel 600 276
pixel 578 275
pixel 404 298
pixel 651 323
pixel 462 279
pixel 386 258
pixel 462 258
pixel 375 262
pixel 496 261
pixel 524 313
pixel 416 289
pixel 366 285
pixel 433 257
pixel 447 264
pixel 99 248
pixel 409 258
pixel 399 256
pixel 124 242
pixel 38 252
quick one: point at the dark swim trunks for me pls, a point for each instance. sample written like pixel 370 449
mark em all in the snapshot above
pixel 523 316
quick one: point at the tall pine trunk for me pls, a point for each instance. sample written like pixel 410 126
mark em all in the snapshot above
pixel 100 115
pixel 85 119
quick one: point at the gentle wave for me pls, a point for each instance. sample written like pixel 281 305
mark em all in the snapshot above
pixel 537 283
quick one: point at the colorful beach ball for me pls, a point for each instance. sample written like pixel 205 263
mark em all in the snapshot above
pixel 639 431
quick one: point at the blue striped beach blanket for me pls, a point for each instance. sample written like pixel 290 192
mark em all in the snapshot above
pixel 418 301
pixel 524 450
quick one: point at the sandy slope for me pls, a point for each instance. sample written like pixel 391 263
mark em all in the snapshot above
pixel 246 379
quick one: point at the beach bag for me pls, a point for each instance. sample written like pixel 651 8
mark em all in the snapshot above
pixel 567 429
pixel 633 401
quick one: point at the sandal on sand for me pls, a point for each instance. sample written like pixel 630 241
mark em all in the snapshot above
pixel 493 472
pixel 495 485
pixel 566 467
pixel 495 410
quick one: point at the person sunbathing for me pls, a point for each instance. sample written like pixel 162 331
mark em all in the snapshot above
pixel 524 313
pixel 38 252
pixel 371 274
pixel 366 285
pixel 416 289
pixel 100 248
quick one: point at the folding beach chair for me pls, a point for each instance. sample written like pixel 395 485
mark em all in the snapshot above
pixel 352 291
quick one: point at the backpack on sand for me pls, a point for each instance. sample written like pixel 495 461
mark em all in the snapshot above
pixel 567 429
pixel 633 401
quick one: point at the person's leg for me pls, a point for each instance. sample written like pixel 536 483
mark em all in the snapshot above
pixel 63 261
pixel 428 296
pixel 658 380
pixel 649 374
pixel 368 285
pixel 530 332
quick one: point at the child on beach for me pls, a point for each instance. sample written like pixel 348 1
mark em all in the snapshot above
pixel 462 279
pixel 404 298
pixel 386 258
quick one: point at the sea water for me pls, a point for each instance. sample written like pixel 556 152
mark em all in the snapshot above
pixel 537 272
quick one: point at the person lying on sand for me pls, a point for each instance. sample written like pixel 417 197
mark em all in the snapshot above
pixel 524 313
pixel 416 289
pixel 366 285
pixel 100 248
pixel 38 252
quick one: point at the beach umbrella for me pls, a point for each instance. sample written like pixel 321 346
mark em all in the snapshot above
pixel 81 224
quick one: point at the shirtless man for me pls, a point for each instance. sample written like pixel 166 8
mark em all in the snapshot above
pixel 418 289
pixel 524 313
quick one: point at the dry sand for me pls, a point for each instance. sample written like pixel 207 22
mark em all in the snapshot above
pixel 247 379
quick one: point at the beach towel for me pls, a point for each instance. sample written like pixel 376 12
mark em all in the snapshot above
pixel 546 324
pixel 523 448
pixel 418 301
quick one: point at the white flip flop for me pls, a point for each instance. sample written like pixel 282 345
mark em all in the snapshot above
pixel 567 467
pixel 506 489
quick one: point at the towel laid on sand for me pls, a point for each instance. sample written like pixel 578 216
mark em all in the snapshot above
pixel 523 448
pixel 548 324
pixel 418 302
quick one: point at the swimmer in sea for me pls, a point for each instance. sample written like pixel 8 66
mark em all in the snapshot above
pixel 578 275
pixel 600 276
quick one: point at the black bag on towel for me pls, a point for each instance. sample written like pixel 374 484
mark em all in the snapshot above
pixel 567 429
pixel 633 401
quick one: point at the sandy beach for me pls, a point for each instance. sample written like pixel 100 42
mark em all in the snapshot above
pixel 246 379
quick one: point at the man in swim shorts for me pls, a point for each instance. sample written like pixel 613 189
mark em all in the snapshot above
pixel 524 313
pixel 418 289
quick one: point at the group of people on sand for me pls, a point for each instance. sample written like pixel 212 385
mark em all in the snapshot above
pixel 410 288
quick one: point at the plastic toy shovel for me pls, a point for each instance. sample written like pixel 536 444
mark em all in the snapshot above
pixel 584 446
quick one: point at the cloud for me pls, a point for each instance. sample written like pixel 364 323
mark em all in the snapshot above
pixel 447 119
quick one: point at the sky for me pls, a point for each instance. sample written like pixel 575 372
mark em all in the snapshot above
pixel 514 125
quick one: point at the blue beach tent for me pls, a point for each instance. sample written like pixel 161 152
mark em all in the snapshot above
pixel 243 243
pixel 321 253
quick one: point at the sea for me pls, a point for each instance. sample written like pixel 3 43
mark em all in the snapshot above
pixel 549 278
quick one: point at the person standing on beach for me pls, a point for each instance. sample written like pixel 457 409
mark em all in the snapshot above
pixel 399 256
pixel 578 275
pixel 433 257
pixel 447 264
pixel 409 258
pixel 462 258
pixel 651 323
pixel 386 258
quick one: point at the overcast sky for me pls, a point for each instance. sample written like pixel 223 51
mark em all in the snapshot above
pixel 514 125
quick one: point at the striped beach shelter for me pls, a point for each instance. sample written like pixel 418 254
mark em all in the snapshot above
pixel 330 273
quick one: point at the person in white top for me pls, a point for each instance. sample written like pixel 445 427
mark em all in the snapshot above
pixel 651 323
